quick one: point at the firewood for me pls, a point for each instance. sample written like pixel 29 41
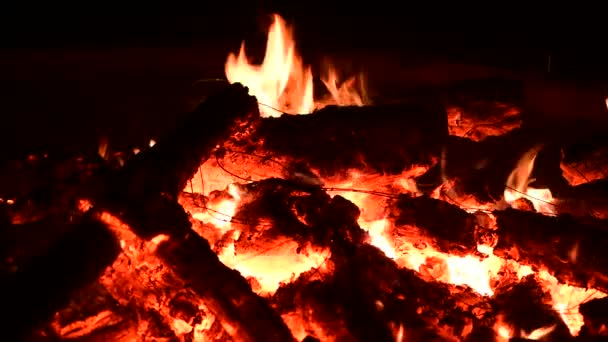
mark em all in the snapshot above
pixel 570 248
pixel 44 284
pixel 143 194
pixel 481 168
pixel 167 167
pixel 386 138
pixel 225 292
pixel 446 226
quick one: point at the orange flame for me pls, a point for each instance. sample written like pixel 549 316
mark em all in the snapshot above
pixel 282 83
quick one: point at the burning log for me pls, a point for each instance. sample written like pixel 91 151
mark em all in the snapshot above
pixel 245 316
pixel 388 138
pixel 144 193
pixel 164 170
pixel 35 291
pixel 570 248
pixel 482 168
pixel 445 225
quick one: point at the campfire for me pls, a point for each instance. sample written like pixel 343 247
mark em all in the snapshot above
pixel 285 209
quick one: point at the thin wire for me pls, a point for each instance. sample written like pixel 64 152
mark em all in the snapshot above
pixel 228 172
pixel 364 191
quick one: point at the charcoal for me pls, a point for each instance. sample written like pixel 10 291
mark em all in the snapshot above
pixel 386 138
pixel 225 292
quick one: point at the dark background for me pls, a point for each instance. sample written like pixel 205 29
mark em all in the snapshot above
pixel 68 80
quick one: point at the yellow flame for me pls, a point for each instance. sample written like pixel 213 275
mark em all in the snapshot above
pixel 281 66
pixel 282 83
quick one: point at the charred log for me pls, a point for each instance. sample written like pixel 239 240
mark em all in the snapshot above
pixel 570 248
pixel 168 166
pixel 144 195
pixel 386 138
pixel 153 179
pixel 446 226
pixel 35 291
pixel 245 316
pixel 482 168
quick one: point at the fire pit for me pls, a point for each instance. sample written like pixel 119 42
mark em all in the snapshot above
pixel 272 213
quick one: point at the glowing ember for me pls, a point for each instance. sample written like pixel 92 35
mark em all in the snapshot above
pixel 282 83
pixel 517 186
pixel 271 267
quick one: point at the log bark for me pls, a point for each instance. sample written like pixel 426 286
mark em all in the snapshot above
pixel 387 138
pixel 143 194
pixel 572 249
